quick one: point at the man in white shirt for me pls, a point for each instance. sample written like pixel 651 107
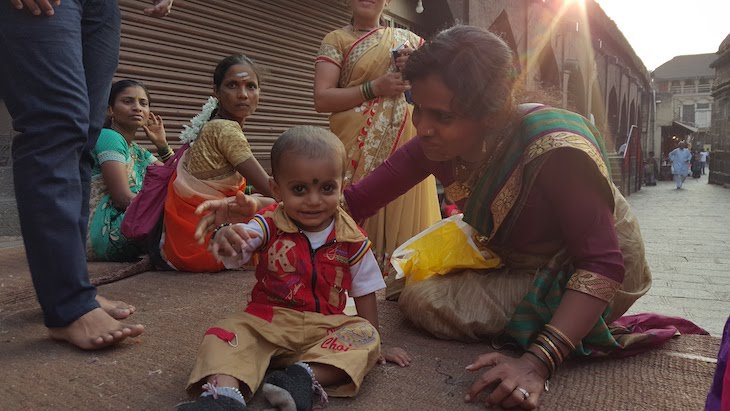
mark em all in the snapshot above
pixel 703 159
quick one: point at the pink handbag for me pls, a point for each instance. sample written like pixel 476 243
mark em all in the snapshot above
pixel 146 208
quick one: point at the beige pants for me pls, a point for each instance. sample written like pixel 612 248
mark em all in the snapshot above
pixel 351 344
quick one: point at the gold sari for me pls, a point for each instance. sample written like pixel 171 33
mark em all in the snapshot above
pixel 375 129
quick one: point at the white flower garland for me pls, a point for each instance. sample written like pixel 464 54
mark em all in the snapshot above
pixel 190 133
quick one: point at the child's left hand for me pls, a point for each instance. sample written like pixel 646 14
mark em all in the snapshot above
pixel 395 355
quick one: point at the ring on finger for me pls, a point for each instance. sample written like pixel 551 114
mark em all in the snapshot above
pixel 524 392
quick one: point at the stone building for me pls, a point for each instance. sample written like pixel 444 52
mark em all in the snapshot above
pixel 720 131
pixel 683 102
pixel 568 53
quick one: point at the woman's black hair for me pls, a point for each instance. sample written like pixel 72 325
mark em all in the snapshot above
pixel 474 64
pixel 117 88
pixel 226 63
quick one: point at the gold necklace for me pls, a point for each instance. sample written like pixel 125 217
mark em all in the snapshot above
pixel 467 174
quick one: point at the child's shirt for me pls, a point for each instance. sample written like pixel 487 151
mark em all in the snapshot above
pixel 308 271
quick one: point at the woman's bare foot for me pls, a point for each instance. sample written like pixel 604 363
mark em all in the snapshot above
pixel 117 309
pixel 95 329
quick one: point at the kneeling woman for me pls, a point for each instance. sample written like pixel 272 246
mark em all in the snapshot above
pixel 533 181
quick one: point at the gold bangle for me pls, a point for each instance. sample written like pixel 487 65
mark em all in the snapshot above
pixel 542 361
pixel 561 336
pixel 547 355
pixel 552 345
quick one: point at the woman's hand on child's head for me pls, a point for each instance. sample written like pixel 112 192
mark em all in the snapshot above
pixel 155 130
pixel 395 355
pixel 227 210
pixel 231 240
pixel 390 85
pixel 402 59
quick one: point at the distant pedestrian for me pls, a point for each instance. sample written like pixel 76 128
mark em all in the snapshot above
pixel 695 165
pixel 680 158
pixel 704 154
pixel 651 169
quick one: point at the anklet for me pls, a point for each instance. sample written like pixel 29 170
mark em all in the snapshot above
pixel 230 392
pixel 316 386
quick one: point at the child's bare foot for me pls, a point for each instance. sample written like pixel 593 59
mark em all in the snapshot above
pixel 117 309
pixel 95 329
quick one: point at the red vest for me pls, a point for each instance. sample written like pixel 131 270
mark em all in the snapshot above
pixel 290 274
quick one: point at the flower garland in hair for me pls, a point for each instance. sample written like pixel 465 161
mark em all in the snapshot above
pixel 190 133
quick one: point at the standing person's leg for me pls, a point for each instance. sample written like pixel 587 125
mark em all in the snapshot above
pixel 678 181
pixel 44 86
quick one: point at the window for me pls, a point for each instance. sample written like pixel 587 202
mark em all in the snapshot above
pixel 703 115
pixel 688 113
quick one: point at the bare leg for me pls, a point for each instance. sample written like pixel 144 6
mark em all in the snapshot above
pixel 328 375
pixel 95 329
pixel 117 309
pixel 222 380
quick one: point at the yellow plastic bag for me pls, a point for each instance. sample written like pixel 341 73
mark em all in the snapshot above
pixel 446 246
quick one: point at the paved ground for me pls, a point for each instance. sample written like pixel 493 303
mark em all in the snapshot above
pixel 687 237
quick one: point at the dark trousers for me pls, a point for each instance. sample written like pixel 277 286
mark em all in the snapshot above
pixel 55 74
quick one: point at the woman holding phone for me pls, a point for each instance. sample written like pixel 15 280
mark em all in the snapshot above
pixel 358 81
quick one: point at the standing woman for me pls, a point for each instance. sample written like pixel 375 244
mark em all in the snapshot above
pixel 217 164
pixel 119 169
pixel 357 81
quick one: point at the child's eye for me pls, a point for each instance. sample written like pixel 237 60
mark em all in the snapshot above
pixel 299 189
pixel 253 86
pixel 444 117
pixel 328 188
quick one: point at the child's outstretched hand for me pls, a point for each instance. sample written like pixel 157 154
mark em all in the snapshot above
pixel 395 355
pixel 231 240
pixel 227 210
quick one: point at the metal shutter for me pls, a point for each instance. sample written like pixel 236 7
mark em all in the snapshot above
pixel 175 58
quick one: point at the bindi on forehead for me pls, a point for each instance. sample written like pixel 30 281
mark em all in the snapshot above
pixel 242 74
pixel 315 181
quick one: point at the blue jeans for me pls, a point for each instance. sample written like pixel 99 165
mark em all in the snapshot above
pixel 55 74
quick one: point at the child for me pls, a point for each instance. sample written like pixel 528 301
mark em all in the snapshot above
pixel 311 253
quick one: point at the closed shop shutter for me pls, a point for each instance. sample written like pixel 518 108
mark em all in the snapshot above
pixel 175 58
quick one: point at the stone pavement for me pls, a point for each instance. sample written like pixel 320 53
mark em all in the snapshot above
pixel 687 237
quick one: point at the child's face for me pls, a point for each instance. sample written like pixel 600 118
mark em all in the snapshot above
pixel 310 189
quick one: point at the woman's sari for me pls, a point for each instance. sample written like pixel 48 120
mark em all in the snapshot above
pixel 522 297
pixel 105 241
pixel 376 128
pixel 220 145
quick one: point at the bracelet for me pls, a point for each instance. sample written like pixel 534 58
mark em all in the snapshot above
pixel 551 362
pixel 562 337
pixel 544 338
pixel 165 154
pixel 366 90
pixel 550 372
pixel 215 231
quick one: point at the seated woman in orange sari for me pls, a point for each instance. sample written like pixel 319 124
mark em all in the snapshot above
pixel 357 80
pixel 217 164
